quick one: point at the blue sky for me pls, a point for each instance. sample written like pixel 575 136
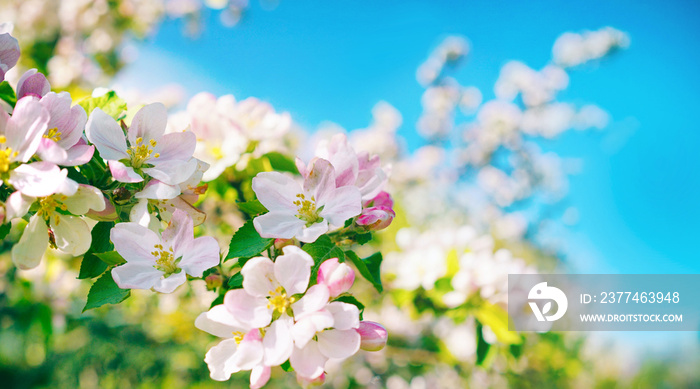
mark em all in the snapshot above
pixel 637 192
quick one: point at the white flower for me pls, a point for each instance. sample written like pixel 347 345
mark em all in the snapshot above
pixel 304 212
pixel 161 262
pixel 145 149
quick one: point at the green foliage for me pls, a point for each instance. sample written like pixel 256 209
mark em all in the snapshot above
pixel 111 258
pixel 236 282
pixel 92 266
pixel 252 207
pixel 281 162
pixel 7 94
pixel 369 268
pixel 246 242
pixel 320 250
pixel 105 291
pixel 5 229
pixel 110 103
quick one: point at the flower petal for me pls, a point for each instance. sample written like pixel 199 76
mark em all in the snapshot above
pixel 278 343
pixel 202 254
pixel 258 276
pixel 170 283
pixel 259 376
pixel 123 173
pixel 278 225
pixel 276 191
pixel 339 343
pixel 69 121
pixel 134 242
pixel 136 275
pixel 85 198
pixel 50 151
pixel 345 316
pixel 220 360
pixel 159 191
pixel 27 253
pixel 311 233
pixel 321 180
pixel 106 134
pixel 71 233
pixel 179 234
pixel 172 171
pixel 218 321
pixel 342 204
pixel 249 353
pixel 315 299
pixel 32 83
pixel 249 310
pixel 79 154
pixel 293 269
pixel 38 179
pixel 309 325
pixel 308 361
pixel 17 205
pixel 178 146
pixel 148 123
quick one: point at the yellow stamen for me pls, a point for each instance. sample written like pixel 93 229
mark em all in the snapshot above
pixel 165 259
pixel 141 152
pixel 49 206
pixel 306 209
pixel 279 300
pixel 53 134
pixel 238 336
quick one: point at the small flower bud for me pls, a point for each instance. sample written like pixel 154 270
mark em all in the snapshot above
pixel 338 277
pixel 280 243
pixel 373 336
pixel 213 281
pixel 376 218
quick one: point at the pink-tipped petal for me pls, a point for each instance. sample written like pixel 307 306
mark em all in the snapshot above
pixel 106 134
pixel 293 269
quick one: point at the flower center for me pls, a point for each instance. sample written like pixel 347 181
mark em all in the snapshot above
pixel 48 206
pixel 6 156
pixel 238 336
pixel 53 134
pixel 306 209
pixel 279 300
pixel 141 152
pixel 165 260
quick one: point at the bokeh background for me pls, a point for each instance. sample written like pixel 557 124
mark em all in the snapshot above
pixel 631 201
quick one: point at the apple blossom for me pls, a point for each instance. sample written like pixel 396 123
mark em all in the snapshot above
pixel 32 83
pixel 145 149
pixel 161 261
pixel 304 212
pixel 51 226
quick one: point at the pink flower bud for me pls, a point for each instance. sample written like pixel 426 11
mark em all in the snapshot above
pixel 376 218
pixel 338 277
pixel 383 199
pixel 308 383
pixel 213 281
pixel 109 213
pixel 280 243
pixel 373 336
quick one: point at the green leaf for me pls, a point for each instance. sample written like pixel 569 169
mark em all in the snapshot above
pixel 352 300
pixel 482 347
pixel 320 250
pixel 111 258
pixel 7 93
pixel 109 102
pixel 5 229
pixel 217 301
pixel 252 208
pixel 369 268
pixel 281 162
pixel 92 266
pixel 363 238
pixel 105 291
pixel 246 242
pixel 236 282
pixel 286 366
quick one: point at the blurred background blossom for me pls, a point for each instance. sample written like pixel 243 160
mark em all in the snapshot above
pixel 500 162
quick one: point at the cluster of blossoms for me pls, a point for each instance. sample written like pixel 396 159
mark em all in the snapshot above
pixel 120 187
pixel 276 317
